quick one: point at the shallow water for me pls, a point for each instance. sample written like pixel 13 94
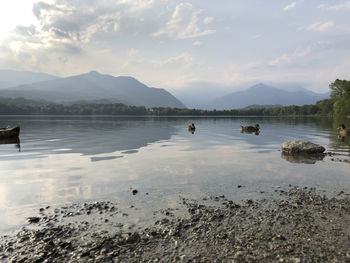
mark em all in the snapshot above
pixel 74 159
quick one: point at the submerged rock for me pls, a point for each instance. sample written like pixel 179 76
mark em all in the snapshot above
pixel 302 147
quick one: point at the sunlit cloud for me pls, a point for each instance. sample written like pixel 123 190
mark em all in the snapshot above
pixel 338 7
pixel 288 58
pixel 184 23
pixel 184 58
pixel 320 26
pixel 290 6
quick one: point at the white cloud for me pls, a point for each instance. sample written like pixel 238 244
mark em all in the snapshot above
pixel 184 23
pixel 290 6
pixel 136 5
pixel 196 43
pixel 288 58
pixel 342 6
pixel 184 58
pixel 319 26
pixel 285 58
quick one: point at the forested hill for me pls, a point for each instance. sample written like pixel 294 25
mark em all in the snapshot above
pixel 22 106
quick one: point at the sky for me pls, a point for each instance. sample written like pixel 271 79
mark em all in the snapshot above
pixel 176 44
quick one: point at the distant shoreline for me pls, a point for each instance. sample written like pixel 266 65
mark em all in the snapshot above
pixel 165 116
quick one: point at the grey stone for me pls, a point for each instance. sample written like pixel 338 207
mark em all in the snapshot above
pixel 302 147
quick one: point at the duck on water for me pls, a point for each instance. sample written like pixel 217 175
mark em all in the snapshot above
pixel 191 128
pixel 255 128
pixel 343 131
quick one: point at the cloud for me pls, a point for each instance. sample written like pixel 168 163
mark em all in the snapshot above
pixel 64 31
pixel 319 26
pixel 184 23
pixel 288 58
pixel 285 58
pixel 184 59
pixel 67 27
pixel 26 31
pixel 290 6
pixel 196 43
pixel 339 7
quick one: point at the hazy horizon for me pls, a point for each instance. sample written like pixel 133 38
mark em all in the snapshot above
pixel 177 44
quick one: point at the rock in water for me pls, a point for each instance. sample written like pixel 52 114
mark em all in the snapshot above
pixel 301 147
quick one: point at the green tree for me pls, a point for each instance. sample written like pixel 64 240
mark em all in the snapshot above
pixel 341 97
pixel 325 107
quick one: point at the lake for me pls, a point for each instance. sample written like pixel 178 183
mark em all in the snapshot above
pixel 62 159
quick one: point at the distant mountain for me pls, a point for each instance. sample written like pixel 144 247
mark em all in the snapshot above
pixel 265 95
pixel 197 94
pixel 94 86
pixel 11 78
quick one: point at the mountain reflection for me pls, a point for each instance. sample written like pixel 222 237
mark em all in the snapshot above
pixel 92 136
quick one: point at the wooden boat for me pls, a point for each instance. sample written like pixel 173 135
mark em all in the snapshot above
pixel 9 132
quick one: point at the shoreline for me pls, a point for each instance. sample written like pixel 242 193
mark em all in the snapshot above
pixel 299 225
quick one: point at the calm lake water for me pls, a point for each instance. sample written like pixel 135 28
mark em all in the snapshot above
pixel 59 160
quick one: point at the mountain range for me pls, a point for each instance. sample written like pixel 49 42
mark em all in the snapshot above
pixel 261 94
pixel 12 78
pixel 93 86
pixel 102 88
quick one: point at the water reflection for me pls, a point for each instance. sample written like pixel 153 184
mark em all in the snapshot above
pixel 343 138
pixel 14 140
pixel 301 158
pixel 97 159
pixel 191 131
pixel 251 132
pixel 91 136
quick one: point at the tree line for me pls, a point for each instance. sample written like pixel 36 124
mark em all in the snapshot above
pixel 338 104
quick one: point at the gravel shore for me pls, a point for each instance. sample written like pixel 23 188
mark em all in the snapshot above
pixel 301 225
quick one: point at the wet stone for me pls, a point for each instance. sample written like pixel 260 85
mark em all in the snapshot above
pixel 33 219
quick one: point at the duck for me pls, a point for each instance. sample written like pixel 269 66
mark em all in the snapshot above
pixel 343 131
pixel 191 128
pixel 255 128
